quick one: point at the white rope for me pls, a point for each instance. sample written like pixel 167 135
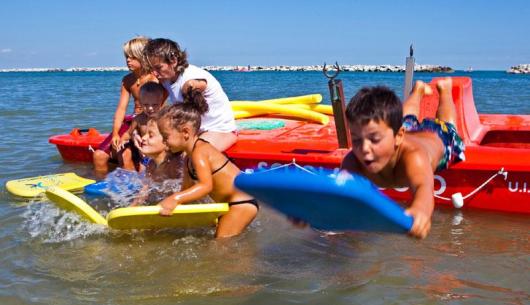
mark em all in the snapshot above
pixel 500 172
pixel 287 165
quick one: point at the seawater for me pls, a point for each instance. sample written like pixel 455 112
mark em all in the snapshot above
pixel 48 256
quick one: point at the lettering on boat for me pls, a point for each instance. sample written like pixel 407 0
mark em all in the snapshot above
pixel 518 187
pixel 262 165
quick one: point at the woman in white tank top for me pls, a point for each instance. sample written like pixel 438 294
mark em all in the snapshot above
pixel 169 64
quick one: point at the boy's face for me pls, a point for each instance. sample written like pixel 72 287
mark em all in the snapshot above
pixel 152 141
pixel 162 70
pixel 151 102
pixel 132 63
pixel 174 139
pixel 374 144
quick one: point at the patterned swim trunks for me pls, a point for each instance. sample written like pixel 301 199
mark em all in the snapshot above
pixel 453 145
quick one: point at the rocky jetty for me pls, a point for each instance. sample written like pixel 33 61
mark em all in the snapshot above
pixel 520 69
pixel 352 68
pixel 78 69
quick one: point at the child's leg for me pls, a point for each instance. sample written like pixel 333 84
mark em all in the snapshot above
pixel 236 220
pixel 220 140
pixel 126 159
pixel 446 108
pixel 412 104
pixel 101 162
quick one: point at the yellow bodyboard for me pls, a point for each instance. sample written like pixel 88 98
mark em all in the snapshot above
pixel 31 187
pixel 184 216
pixel 70 202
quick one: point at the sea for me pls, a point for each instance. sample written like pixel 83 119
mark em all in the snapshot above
pixel 48 256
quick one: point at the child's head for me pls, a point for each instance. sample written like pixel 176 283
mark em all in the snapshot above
pixel 133 52
pixel 375 116
pixel 165 58
pixel 151 98
pixel 180 122
pixel 152 141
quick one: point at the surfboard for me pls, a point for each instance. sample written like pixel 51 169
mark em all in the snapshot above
pixel 184 216
pixel 70 202
pixel 325 200
pixel 31 187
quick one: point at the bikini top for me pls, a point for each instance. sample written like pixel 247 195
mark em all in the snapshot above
pixel 189 165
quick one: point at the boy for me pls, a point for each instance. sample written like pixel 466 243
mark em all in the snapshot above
pixel 393 149
pixel 152 96
pixel 131 84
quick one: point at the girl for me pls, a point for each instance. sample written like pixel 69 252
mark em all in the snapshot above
pixel 131 83
pixel 170 65
pixel 207 171
pixel 161 166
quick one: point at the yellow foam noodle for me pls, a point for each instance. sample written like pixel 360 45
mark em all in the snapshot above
pixel 184 216
pixel 303 99
pixel 325 109
pixel 271 108
pixel 70 202
pixel 244 113
pixel 31 187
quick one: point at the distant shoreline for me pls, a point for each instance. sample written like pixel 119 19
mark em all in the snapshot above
pixel 519 69
pixel 351 68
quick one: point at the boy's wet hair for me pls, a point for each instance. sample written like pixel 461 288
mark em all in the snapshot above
pixel 378 104
pixel 153 87
pixel 166 50
pixel 189 111
pixel 135 48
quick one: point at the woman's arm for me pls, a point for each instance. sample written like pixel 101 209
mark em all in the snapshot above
pixel 195 84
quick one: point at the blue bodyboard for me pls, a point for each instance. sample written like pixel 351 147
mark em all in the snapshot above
pixel 118 182
pixel 326 200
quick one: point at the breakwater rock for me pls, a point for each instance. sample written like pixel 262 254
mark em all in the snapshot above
pixel 78 69
pixel 352 68
pixel 520 69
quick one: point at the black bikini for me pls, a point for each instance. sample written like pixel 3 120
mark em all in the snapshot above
pixel 189 165
pixel 193 175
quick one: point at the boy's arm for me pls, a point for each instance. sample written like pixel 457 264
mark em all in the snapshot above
pixel 201 188
pixel 127 135
pixel 421 179
pixel 119 115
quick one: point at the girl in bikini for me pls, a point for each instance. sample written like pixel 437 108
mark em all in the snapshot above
pixel 208 171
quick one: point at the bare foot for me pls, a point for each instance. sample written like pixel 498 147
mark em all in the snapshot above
pixel 445 85
pixel 422 88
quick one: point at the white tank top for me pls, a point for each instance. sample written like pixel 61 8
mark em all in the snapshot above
pixel 219 117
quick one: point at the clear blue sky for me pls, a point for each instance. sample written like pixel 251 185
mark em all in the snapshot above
pixel 466 33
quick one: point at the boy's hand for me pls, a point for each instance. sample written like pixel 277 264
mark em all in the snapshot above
pixel 422 223
pixel 137 140
pixel 115 141
pixel 167 206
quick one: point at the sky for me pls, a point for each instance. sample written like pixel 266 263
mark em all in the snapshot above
pixel 483 35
